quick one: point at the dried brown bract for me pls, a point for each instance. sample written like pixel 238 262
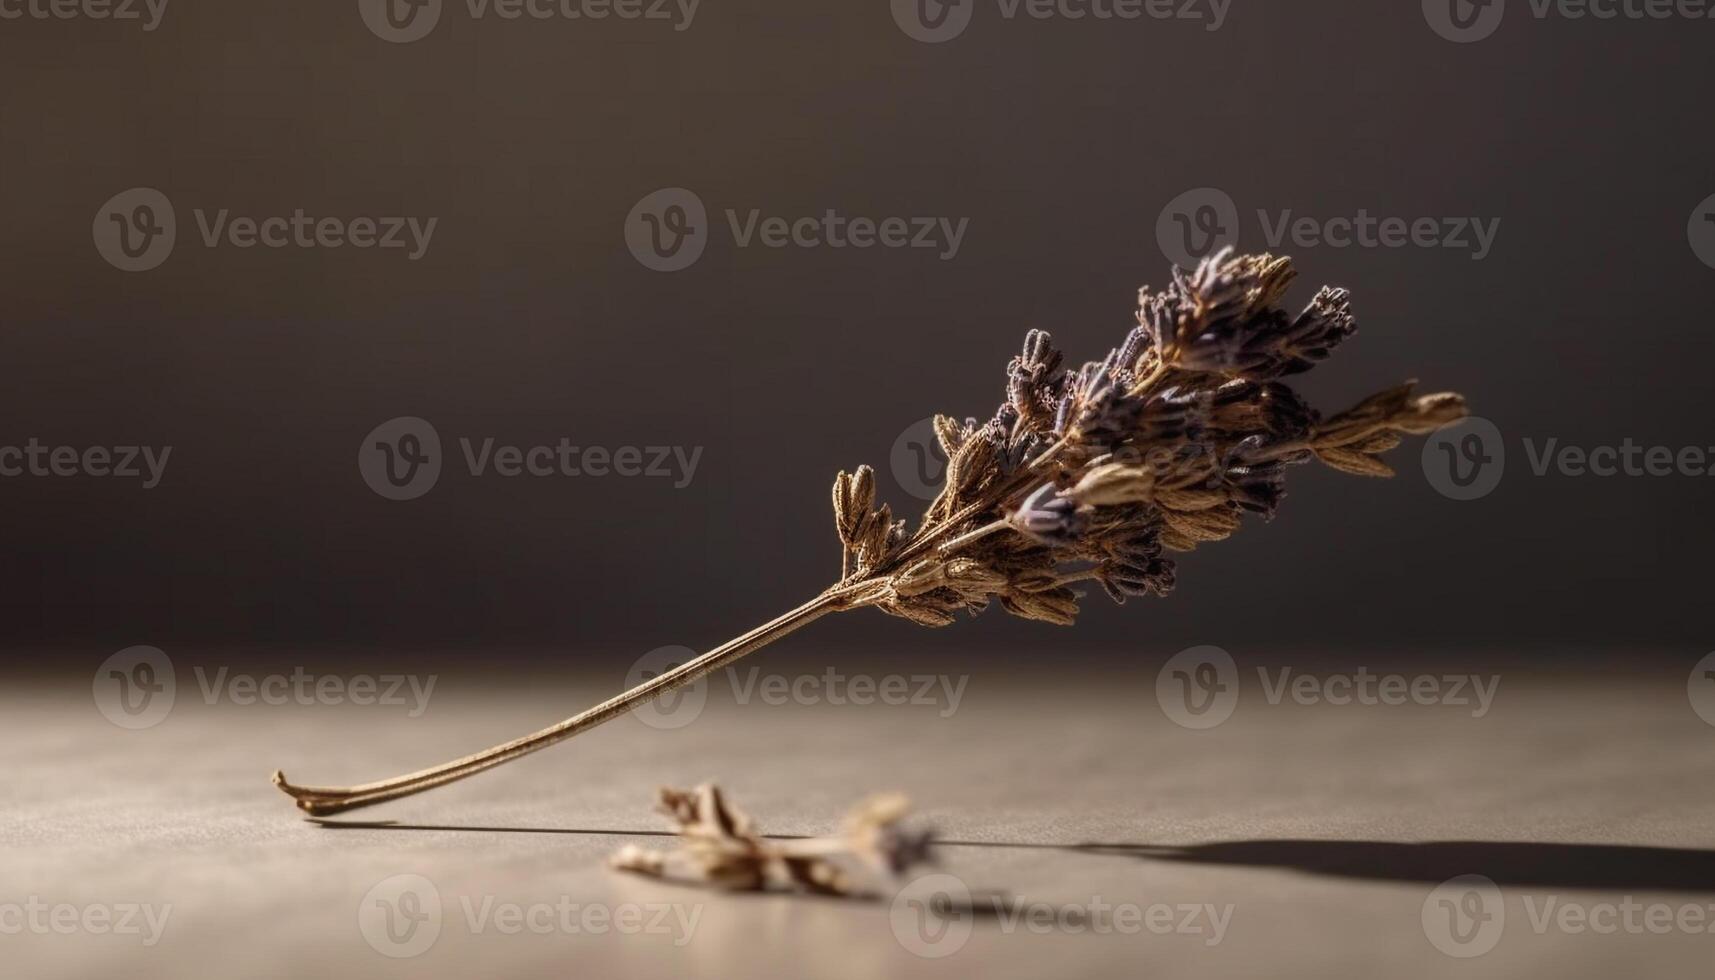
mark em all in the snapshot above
pixel 720 846
pixel 1089 475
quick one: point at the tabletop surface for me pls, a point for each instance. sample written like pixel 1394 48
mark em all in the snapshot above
pixel 1314 832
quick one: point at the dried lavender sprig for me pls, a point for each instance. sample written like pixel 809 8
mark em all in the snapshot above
pixel 1092 474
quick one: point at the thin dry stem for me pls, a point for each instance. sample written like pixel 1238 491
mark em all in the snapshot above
pixel 321 801
pixel 1081 476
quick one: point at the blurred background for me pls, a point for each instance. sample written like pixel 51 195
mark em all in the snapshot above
pixel 318 276
pixel 529 316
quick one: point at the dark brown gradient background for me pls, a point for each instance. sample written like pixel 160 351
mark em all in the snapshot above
pixel 529 320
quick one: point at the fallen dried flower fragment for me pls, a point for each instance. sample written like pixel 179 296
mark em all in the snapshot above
pixel 1086 475
pixel 721 847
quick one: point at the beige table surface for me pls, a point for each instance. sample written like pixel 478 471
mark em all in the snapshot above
pixel 1318 833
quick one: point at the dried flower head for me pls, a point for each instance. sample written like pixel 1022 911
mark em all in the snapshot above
pixel 720 846
pixel 1095 474
pixel 1089 475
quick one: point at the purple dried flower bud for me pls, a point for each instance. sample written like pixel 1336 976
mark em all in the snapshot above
pixel 1286 414
pixel 1108 418
pixel 1032 378
pixel 1019 392
pixel 1257 488
pixel 1220 319
pixel 1063 410
pixel 1172 414
pixel 1125 579
pixel 1039 356
pixel 1242 408
pixel 1237 391
pixel 1136 344
pixel 1218 285
pixel 1158 317
pixel 1324 325
pixel 1105 412
pixel 1022 450
pixel 1048 517
pixel 1138 547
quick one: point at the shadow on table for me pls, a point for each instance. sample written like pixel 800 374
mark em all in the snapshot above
pixel 1518 863
pixel 1523 863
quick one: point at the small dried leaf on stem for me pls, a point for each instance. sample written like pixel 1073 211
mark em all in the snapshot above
pixel 720 847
